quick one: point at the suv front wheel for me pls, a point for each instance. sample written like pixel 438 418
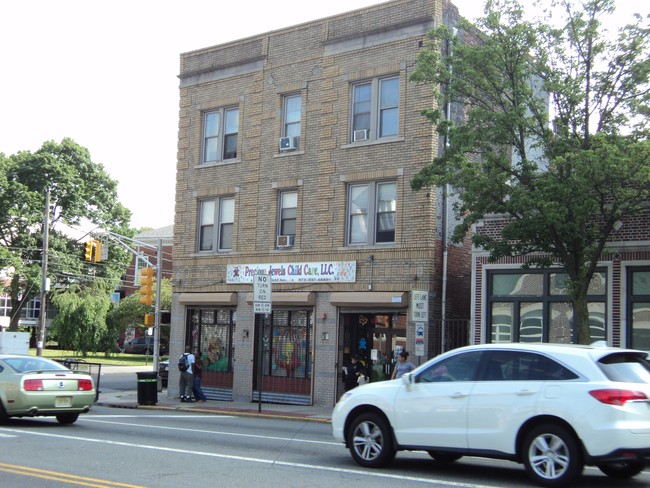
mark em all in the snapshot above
pixel 552 456
pixel 371 441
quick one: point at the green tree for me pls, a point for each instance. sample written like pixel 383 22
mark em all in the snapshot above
pixel 129 312
pixel 555 132
pixel 81 192
pixel 80 323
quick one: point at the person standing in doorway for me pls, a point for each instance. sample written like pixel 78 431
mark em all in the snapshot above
pixel 186 383
pixel 352 372
pixel 403 365
pixel 197 367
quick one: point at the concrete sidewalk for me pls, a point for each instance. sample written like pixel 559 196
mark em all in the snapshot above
pixel 129 399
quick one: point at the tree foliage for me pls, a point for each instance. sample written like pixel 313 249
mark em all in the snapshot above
pixel 129 312
pixel 80 323
pixel 81 192
pixel 555 131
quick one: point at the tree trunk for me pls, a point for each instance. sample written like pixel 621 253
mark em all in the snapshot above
pixel 581 318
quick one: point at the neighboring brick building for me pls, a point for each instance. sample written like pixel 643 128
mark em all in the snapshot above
pixel 511 304
pixel 296 151
pixel 150 239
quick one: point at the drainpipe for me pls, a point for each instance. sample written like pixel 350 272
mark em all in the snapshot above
pixel 445 223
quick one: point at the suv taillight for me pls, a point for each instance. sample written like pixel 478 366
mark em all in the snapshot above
pixel 33 385
pixel 85 385
pixel 617 397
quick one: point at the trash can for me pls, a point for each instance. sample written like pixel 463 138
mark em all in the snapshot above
pixel 147 387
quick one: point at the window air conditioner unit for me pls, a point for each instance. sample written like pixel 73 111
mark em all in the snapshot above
pixel 360 135
pixel 285 241
pixel 288 143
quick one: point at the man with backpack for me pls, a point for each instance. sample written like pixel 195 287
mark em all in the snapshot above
pixel 186 382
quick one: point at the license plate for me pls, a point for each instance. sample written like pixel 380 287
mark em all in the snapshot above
pixel 63 402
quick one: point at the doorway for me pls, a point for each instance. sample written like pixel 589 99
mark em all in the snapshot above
pixel 376 338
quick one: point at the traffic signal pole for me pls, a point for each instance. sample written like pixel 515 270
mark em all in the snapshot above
pixel 158 271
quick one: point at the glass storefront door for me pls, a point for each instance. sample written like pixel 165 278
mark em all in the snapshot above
pixel 376 338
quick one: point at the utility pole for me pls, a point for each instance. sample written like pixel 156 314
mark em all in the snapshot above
pixel 40 344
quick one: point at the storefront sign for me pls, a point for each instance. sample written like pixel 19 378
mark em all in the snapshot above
pixel 298 272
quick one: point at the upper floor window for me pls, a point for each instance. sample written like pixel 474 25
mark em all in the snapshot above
pixel 375 109
pixel 291 120
pixel 220 135
pixel 288 211
pixel 371 213
pixel 217 218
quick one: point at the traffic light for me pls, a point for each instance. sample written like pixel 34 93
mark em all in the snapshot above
pixel 88 250
pixel 98 249
pixel 149 319
pixel 146 281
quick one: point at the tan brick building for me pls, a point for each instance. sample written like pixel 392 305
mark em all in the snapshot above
pixel 296 151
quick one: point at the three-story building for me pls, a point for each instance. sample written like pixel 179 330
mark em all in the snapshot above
pixel 296 151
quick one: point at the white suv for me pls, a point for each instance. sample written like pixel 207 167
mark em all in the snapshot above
pixel 552 407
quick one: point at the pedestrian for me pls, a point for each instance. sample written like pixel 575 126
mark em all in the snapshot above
pixel 352 372
pixel 186 382
pixel 199 396
pixel 403 365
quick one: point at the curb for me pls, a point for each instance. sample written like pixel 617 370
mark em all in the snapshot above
pixel 219 411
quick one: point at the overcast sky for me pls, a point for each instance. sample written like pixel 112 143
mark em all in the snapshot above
pixel 104 73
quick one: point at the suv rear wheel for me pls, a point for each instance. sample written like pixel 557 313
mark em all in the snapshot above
pixel 551 455
pixel 371 441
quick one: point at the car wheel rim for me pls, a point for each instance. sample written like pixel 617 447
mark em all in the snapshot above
pixel 549 456
pixel 368 441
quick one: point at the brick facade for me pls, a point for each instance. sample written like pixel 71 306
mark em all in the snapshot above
pixel 318 60
pixel 627 250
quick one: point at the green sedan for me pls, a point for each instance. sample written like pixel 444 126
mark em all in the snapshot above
pixel 38 387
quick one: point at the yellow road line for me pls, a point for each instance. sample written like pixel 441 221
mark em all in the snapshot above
pixel 62 477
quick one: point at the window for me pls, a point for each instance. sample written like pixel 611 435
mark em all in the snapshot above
pixel 375 109
pixel 371 213
pixel 291 114
pixel 220 140
pixel 522 366
pixel 535 307
pixel 288 354
pixel 221 212
pixel 638 304
pixel 288 212
pixel 140 264
pixel 461 367
pixel 32 310
pixel 211 332
pixel 5 305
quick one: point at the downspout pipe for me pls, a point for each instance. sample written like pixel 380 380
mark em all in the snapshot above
pixel 445 224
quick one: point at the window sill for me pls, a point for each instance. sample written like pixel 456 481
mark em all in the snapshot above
pixel 217 163
pixel 284 154
pixel 373 142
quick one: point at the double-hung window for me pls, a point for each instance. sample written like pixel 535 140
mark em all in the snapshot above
pixel 375 109
pixel 220 135
pixel 371 213
pixel 217 218
pixel 291 117
pixel 288 212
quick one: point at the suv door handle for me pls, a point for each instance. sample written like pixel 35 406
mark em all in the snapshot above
pixel 525 393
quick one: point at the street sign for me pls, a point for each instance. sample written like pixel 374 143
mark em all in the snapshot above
pixel 419 339
pixel 419 306
pixel 262 294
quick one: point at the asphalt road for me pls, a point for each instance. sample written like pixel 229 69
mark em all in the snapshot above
pixel 147 448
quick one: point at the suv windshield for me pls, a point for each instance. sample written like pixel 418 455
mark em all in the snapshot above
pixel 626 367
